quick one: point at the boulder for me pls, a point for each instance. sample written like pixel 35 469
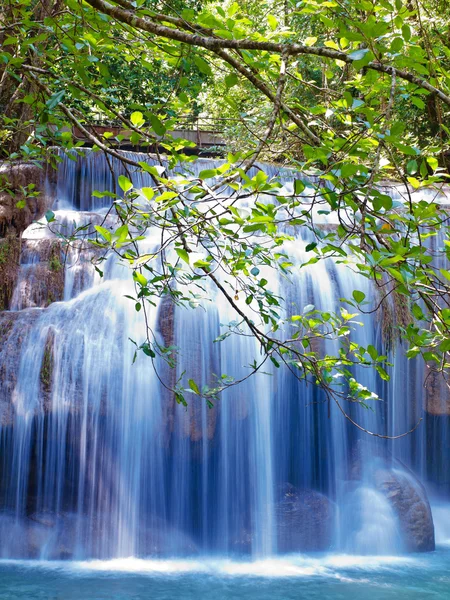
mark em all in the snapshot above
pixel 305 520
pixel 66 535
pixel 409 501
pixel 162 539
pixel 21 537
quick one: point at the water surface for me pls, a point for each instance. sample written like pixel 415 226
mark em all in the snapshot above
pixel 331 577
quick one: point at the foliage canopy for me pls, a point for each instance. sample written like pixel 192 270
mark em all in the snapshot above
pixel 347 93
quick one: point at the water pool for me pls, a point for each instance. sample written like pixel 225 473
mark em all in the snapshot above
pixel 331 577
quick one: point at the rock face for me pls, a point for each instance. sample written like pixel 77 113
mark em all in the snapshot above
pixel 40 280
pixel 188 423
pixel 9 268
pixel 18 209
pixel 25 196
pixel 305 520
pixel 437 394
pixel 410 504
pixel 14 328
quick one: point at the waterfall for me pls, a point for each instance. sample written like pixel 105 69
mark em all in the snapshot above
pixel 98 460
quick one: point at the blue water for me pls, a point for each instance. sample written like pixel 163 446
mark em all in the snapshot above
pixel 330 577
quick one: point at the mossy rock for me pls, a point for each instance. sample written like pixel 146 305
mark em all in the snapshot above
pixel 9 268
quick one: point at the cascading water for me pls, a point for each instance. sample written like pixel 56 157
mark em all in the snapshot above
pixel 99 461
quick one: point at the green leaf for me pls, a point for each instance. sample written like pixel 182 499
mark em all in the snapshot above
pixel 231 80
pixel 55 99
pixel 310 246
pixel 418 102
pixel 202 65
pixel 146 348
pixel 358 296
pixel 275 362
pixel 139 278
pixel 358 54
pixel 124 183
pixel 310 41
pixel 396 45
pixel 121 233
pixel 194 387
pixel 433 162
pixel 180 398
pixel 372 351
pixel 299 186
pixel 50 216
pixel 406 32
pixel 183 254
pixel 137 118
pixel 166 196
pixel 207 174
pixel 148 192
pixel 412 167
pixel 417 312
pixel 157 125
pixel 382 373
pixel 103 232
pixel 273 23
pixel 155 170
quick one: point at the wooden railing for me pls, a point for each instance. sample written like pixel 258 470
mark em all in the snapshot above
pixel 204 132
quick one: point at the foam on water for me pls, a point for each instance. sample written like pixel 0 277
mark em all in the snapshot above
pixel 292 566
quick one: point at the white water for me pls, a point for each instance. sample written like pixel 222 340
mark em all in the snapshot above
pixel 106 465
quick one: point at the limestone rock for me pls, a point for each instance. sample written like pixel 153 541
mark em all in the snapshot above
pixel 305 520
pixel 162 539
pixel 14 328
pixel 437 394
pixel 19 210
pixel 9 268
pixel 40 280
pixel 409 501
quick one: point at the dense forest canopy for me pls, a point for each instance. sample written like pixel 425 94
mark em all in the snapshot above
pixel 347 93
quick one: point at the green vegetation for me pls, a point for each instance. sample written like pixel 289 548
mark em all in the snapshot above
pixel 54 263
pixel 9 266
pixel 348 93
pixel 47 364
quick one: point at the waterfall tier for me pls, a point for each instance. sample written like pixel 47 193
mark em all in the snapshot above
pixel 98 460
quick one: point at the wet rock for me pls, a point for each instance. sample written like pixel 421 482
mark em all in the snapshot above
pixel 162 539
pixel 409 501
pixel 14 328
pixel 165 321
pixel 24 196
pixel 41 276
pixel 242 543
pixel 9 268
pixel 437 393
pixel 21 537
pixel 196 422
pixel 305 520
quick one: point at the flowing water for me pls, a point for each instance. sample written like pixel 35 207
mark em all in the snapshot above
pixel 338 577
pixel 99 464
